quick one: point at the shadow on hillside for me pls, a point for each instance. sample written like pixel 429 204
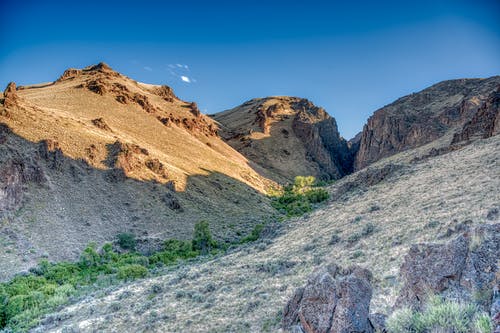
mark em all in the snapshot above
pixel 55 205
pixel 329 154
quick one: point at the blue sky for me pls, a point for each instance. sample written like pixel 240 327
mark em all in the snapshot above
pixel 351 57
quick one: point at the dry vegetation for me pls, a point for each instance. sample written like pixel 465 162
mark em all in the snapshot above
pixel 134 159
pixel 245 290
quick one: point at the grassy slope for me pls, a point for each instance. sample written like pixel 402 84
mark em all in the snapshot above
pixel 60 217
pixel 268 150
pixel 244 291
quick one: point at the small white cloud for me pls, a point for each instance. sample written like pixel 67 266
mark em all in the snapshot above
pixel 185 79
pixel 186 67
pixel 147 68
pixel 179 65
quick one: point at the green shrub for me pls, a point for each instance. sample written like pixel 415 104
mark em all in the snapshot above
pixel 353 238
pixel 368 229
pixel 20 303
pixel 90 257
pixel 127 241
pixel 440 316
pixel 178 248
pixel 483 324
pixel 317 195
pixel 131 272
pixel 254 235
pixel 202 238
pixel 297 199
pixel 25 298
pixel 302 183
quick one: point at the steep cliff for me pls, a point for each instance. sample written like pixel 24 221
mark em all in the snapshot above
pixel 484 123
pixel 286 137
pixel 422 117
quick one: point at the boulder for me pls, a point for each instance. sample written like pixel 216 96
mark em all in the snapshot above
pixel 464 269
pixel 333 300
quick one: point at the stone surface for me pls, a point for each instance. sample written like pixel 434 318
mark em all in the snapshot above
pixel 465 269
pixel 485 123
pixel 11 98
pixel 422 117
pixel 287 137
pixel 333 300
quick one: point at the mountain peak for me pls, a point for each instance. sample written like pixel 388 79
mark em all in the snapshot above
pixel 287 136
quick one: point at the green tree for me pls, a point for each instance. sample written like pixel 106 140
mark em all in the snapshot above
pixel 202 238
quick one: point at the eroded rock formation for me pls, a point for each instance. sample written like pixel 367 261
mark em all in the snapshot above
pixel 461 269
pixel 420 118
pixel 484 123
pixel 333 300
pixel 288 136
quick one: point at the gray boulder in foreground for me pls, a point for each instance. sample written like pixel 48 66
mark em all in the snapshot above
pixel 333 300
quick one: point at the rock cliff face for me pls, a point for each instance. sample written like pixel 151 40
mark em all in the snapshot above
pixel 484 123
pixel 420 118
pixel 286 137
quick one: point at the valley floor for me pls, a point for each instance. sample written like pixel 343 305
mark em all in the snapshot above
pixel 245 291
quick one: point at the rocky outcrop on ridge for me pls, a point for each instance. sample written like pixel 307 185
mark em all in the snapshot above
pixel 287 136
pixel 420 118
pixel 485 123
pixel 461 269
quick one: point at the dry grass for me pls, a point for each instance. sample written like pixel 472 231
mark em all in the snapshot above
pixel 64 112
pixel 77 205
pixel 280 152
pixel 244 291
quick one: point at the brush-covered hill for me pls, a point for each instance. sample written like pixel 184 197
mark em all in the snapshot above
pixel 417 119
pixel 95 153
pixel 374 217
pixel 286 137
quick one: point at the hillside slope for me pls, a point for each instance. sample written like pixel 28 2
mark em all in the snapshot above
pixel 287 137
pixel 374 216
pixel 419 118
pixel 95 153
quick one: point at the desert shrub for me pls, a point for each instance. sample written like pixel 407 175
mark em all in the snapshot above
pixel 334 239
pixel 353 238
pixel 368 229
pixel 174 250
pixel 25 298
pixel 107 253
pixel 303 183
pixel 440 316
pixel 317 195
pixel 131 272
pixel 357 254
pixel 90 257
pixel 127 241
pixel 297 199
pixel 483 323
pixel 202 238
pixel 254 235
pixel 178 248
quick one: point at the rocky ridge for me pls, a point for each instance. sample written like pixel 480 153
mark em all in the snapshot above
pixel 420 118
pixel 94 154
pixel 287 136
